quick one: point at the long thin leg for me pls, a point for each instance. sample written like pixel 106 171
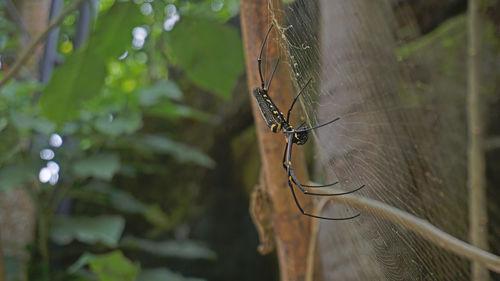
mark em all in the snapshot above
pixel 284 155
pixel 288 156
pixel 295 100
pixel 259 59
pixel 294 180
pixel 313 216
pixel 312 128
pixel 315 186
pixel 272 75
pixel 292 177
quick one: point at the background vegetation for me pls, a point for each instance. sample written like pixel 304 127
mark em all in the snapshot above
pixel 126 149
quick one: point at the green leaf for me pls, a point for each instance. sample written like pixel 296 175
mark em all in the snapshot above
pixel 162 89
pixel 115 197
pixel 219 10
pixel 209 52
pixel 114 266
pixel 82 261
pixel 113 35
pixel 123 201
pixel 26 122
pixel 169 110
pixel 103 229
pixel 20 89
pixel 186 249
pixel 80 78
pixel 155 215
pixel 101 166
pixel 162 274
pixel 182 153
pixel 120 125
pixel 13 176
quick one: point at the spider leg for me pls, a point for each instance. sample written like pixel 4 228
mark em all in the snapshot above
pixel 292 177
pixel 272 75
pixel 312 128
pixel 285 166
pixel 295 181
pixel 259 59
pixel 315 186
pixel 314 216
pixel 289 179
pixel 295 100
pixel 301 125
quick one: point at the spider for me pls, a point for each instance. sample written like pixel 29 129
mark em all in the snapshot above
pixel 276 121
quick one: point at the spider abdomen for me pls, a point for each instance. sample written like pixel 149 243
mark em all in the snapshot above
pixel 272 115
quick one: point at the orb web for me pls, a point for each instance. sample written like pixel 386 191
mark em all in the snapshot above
pixel 401 99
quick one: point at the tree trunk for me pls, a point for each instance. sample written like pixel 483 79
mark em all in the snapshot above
pixel 35 15
pixel 291 229
pixel 17 225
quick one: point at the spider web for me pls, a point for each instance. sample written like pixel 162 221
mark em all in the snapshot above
pixel 401 100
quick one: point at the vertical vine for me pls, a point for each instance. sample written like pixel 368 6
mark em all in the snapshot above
pixel 476 162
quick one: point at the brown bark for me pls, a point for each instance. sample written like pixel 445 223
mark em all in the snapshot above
pixel 17 226
pixel 35 15
pixel 291 229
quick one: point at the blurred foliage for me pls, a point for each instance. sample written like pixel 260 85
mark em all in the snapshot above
pixel 214 65
pixel 82 75
pixel 113 266
pixel 117 103
pixel 185 249
pixel 104 229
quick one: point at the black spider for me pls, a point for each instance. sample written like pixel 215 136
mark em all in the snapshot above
pixel 276 121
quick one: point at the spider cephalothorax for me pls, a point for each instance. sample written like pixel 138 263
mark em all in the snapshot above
pixel 300 138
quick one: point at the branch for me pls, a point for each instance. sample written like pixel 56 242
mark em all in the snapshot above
pixel 478 216
pixel 28 52
pixel 419 226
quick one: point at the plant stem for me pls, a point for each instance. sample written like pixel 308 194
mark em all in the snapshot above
pixel 419 226
pixel 476 164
